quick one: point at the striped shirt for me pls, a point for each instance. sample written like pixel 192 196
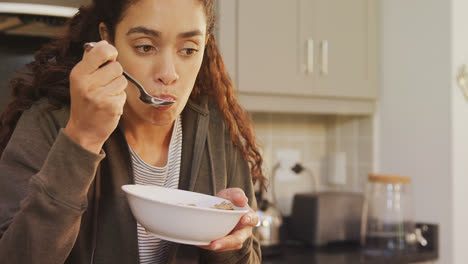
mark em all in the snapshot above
pixel 152 249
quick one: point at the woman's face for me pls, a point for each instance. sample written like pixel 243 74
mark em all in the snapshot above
pixel 161 44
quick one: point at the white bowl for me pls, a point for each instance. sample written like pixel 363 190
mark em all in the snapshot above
pixel 181 216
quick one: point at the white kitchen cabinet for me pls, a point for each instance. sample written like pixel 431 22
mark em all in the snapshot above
pixel 275 50
pixel 267 51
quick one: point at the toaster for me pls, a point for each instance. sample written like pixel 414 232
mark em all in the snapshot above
pixel 326 217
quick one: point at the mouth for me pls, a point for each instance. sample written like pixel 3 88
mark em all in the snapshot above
pixel 166 97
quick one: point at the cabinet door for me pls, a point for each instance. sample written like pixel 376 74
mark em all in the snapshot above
pixel 345 38
pixel 273 47
pixel 267 46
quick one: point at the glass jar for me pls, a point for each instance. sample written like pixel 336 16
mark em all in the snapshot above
pixel 387 219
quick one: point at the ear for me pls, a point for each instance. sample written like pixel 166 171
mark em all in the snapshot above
pixel 104 32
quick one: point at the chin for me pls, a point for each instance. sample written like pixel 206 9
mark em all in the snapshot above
pixel 161 119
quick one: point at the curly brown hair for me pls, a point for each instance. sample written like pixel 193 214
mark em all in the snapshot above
pixel 48 77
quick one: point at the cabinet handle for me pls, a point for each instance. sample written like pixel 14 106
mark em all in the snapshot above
pixel 310 56
pixel 324 49
pixel 462 79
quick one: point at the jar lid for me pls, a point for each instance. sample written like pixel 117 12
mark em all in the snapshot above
pixel 389 178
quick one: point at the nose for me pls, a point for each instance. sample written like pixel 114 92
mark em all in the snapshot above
pixel 167 73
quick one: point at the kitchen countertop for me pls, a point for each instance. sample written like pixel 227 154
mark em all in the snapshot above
pixel 292 252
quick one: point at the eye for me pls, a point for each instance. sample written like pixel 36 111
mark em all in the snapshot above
pixel 189 52
pixel 145 49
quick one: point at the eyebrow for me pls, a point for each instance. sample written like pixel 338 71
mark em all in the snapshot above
pixel 157 34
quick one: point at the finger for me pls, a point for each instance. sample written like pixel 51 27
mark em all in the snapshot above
pixel 106 74
pixel 110 98
pixel 113 105
pixel 114 88
pixel 98 54
pixel 249 219
pixel 234 241
pixel 88 46
pixel 121 99
pixel 235 195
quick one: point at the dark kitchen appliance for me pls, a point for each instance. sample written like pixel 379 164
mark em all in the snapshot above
pixel 326 217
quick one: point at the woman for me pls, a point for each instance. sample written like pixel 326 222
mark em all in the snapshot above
pixel 77 132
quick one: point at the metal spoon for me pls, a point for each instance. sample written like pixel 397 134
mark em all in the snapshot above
pixel 145 97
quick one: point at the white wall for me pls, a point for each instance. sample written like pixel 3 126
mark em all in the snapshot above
pixel 459 132
pixel 414 133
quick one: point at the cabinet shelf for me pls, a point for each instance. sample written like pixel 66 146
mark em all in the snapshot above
pixel 255 102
